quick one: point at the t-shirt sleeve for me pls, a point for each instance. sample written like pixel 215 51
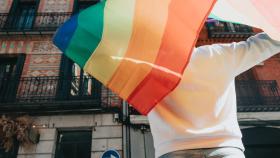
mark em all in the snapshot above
pixel 236 58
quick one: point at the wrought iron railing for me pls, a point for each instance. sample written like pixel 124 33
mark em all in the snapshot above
pixel 217 29
pixel 257 95
pixel 53 93
pixel 38 22
pixel 252 96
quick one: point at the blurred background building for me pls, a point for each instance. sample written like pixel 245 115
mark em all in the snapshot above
pixel 77 117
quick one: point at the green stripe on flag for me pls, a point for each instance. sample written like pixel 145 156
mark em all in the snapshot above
pixel 87 35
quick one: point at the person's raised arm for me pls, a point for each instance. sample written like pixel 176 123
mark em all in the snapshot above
pixel 236 58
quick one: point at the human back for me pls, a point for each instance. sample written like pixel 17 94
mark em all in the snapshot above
pixel 201 111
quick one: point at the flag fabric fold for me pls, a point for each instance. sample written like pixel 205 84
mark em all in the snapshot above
pixel 137 48
pixel 263 14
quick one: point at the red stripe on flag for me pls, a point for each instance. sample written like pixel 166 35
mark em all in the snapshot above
pixel 185 20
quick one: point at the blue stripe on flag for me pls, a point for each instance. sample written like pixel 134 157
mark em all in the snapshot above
pixel 64 34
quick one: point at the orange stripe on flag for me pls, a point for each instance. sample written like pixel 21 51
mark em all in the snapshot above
pixel 148 29
pixel 186 17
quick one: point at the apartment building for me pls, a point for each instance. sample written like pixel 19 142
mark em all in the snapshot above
pixel 77 117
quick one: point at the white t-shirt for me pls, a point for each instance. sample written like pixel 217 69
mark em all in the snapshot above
pixel 201 111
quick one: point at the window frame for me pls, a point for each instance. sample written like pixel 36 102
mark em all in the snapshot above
pixel 74 130
pixel 13 17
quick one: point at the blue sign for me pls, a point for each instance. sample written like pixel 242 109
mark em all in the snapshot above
pixel 111 154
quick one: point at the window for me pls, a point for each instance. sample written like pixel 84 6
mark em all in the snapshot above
pixel 10 72
pixel 73 144
pixel 22 14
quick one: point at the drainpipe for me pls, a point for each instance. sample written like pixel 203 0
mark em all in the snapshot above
pixel 125 130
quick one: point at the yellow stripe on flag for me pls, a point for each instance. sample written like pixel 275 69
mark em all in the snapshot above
pixel 117 23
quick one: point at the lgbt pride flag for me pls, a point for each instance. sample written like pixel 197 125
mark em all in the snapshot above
pixel 137 48
pixel 140 48
pixel 264 14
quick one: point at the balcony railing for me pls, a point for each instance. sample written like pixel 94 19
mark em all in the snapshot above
pixel 55 94
pixel 257 95
pixel 33 23
pixel 217 29
pixel 252 96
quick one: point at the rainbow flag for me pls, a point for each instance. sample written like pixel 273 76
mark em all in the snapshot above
pixel 263 14
pixel 137 48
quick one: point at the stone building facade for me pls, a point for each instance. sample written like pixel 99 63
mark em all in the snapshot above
pixel 106 134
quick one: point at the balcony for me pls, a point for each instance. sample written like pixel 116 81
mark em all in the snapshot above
pixel 257 96
pixel 56 95
pixel 252 96
pixel 217 29
pixel 39 23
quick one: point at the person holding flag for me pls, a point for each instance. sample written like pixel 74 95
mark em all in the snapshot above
pixel 199 118
pixel 144 51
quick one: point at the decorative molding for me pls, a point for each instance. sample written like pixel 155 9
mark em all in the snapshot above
pixel 28 47
pixel 43 65
pixel 44 47
pixel 56 6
